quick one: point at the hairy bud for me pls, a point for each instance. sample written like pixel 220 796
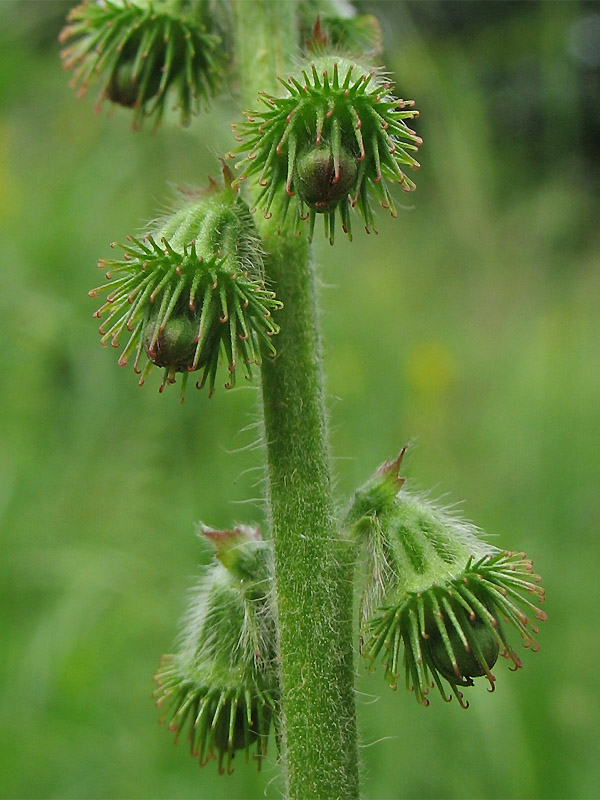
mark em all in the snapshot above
pixel 191 291
pixel 144 50
pixel 330 144
pixel 221 686
pixel 435 595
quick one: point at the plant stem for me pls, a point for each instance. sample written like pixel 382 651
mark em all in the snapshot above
pixel 317 679
pixel 312 562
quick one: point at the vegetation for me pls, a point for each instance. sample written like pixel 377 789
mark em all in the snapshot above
pixel 469 326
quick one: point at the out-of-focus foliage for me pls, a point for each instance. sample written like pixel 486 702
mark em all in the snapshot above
pixel 469 326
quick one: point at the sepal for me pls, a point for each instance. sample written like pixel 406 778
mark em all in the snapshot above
pixel 329 144
pixel 221 716
pixel 379 492
pixel 336 29
pixel 189 291
pixel 220 688
pixel 436 597
pixel 242 552
pixel 455 630
pixel 143 51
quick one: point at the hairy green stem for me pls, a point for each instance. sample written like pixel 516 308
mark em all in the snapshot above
pixel 315 638
pixel 312 562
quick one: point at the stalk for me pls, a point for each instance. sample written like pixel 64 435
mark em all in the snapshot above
pixel 312 562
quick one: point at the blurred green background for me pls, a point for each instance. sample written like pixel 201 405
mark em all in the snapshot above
pixel 470 327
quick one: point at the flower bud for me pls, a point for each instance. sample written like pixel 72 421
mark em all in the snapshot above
pixel 435 595
pixel 329 143
pixel 322 183
pixel 467 662
pixel 328 24
pixel 145 49
pixel 174 345
pixel 221 686
pixel 242 552
pixel 125 86
pixel 198 293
